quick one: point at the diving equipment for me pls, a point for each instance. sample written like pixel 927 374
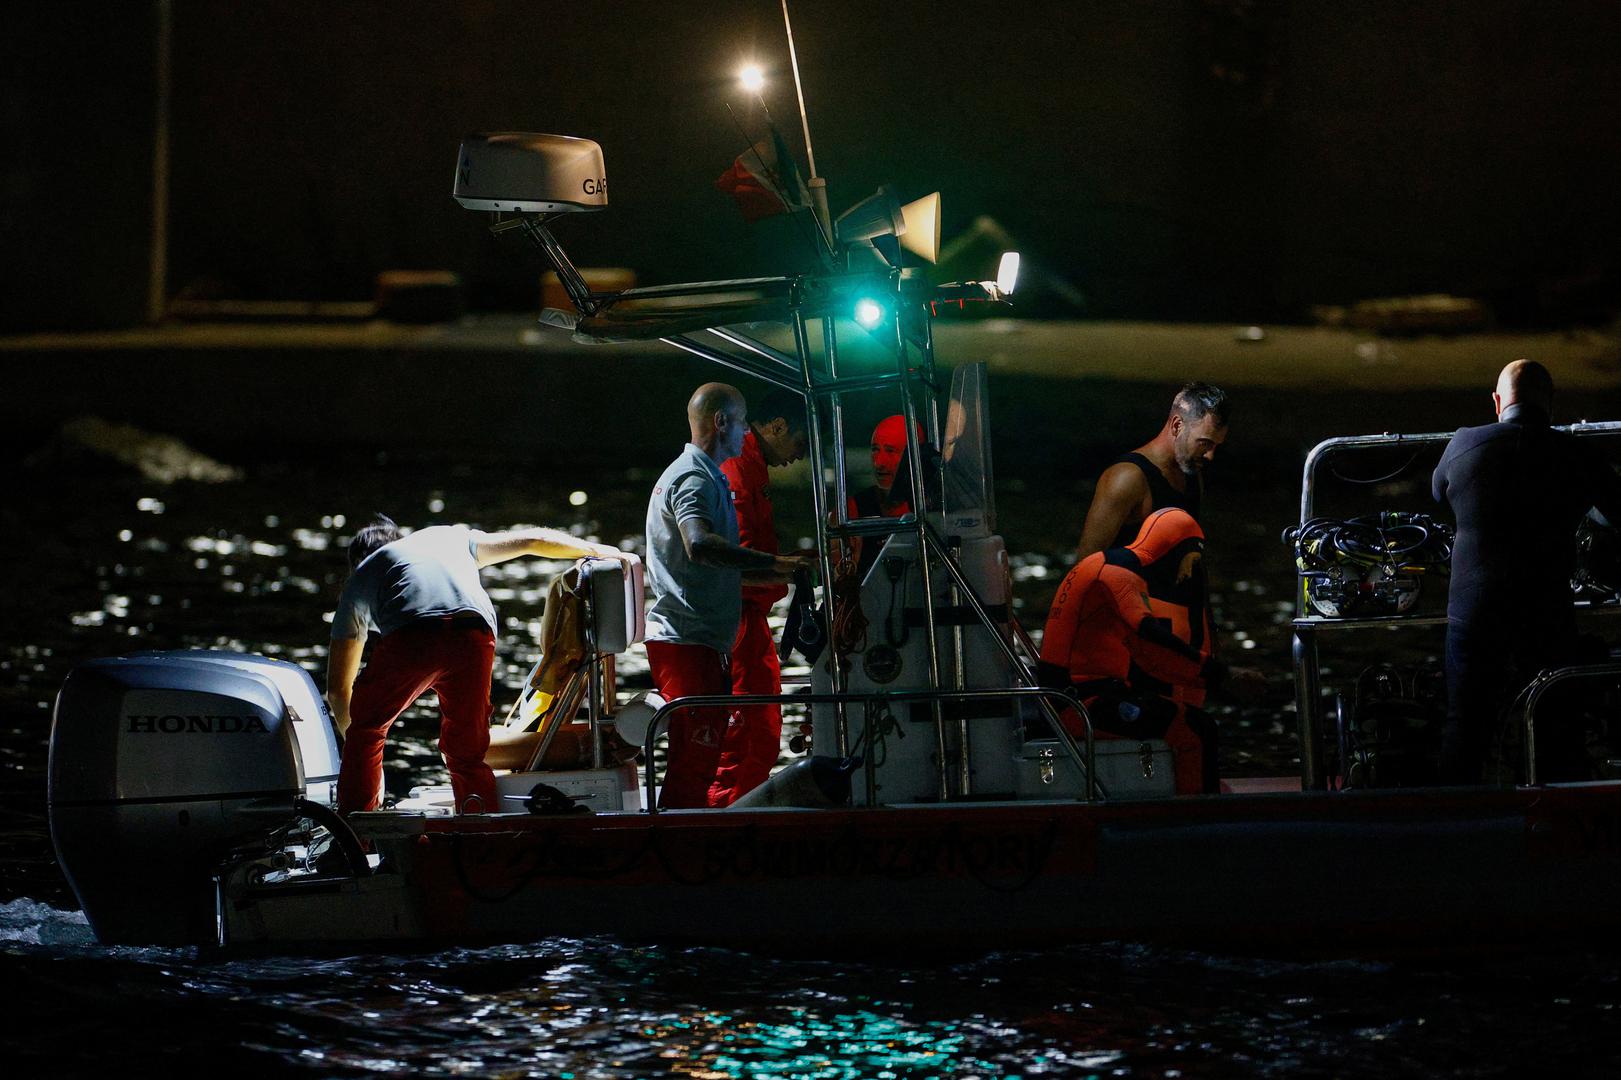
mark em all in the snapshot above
pixel 1369 565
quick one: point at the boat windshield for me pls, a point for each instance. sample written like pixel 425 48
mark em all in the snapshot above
pixel 968 496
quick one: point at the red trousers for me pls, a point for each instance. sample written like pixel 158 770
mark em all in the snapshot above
pixel 754 737
pixel 695 734
pixel 453 660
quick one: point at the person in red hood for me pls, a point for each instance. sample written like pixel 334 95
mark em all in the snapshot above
pixel 888 455
pixel 1130 634
pixel 891 493
pixel 776 437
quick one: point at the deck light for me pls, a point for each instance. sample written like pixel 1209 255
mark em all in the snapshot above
pixel 881 220
pixel 963 293
pixel 751 78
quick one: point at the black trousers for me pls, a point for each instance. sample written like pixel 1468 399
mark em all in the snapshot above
pixel 1491 654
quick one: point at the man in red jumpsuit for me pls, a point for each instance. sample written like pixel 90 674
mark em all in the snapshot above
pixel 1130 634
pixel 776 437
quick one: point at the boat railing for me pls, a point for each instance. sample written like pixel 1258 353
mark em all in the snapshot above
pixel 1323 450
pixel 1539 688
pixel 1083 754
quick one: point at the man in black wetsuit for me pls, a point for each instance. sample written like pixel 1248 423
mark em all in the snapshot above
pixel 1517 489
pixel 1165 472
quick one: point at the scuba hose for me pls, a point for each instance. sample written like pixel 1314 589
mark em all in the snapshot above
pixel 1369 565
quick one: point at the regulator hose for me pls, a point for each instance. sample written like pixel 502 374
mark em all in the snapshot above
pixel 1417 541
pixel 1373 563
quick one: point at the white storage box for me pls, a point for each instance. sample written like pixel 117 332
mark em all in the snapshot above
pixel 1127 769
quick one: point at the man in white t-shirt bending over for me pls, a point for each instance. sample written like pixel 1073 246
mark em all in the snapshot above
pixel 422 594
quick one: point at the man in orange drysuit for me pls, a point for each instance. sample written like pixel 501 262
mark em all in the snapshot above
pixel 1130 634
pixel 776 437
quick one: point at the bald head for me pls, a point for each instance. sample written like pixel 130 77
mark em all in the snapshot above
pixel 715 418
pixel 1524 382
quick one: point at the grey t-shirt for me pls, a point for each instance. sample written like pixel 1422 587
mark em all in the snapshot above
pixel 432 573
pixel 692 604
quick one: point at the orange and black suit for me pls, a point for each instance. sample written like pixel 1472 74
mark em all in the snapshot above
pixel 1130 634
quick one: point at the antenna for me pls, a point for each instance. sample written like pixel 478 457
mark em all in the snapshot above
pixel 817 186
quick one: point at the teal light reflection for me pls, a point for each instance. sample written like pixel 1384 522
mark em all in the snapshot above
pixel 848 1046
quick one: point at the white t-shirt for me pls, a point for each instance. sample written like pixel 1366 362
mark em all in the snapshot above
pixel 433 573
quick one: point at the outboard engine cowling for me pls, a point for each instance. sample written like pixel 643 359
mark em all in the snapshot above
pixel 314 738
pixel 159 765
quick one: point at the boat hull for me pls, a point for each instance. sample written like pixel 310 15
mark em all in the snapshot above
pixel 1420 868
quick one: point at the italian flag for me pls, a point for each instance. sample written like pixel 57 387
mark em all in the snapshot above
pixel 764 180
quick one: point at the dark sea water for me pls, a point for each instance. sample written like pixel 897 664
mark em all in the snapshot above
pixel 101 564
pixel 599 1008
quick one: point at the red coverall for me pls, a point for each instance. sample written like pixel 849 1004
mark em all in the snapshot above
pixel 753 740
pixel 1124 634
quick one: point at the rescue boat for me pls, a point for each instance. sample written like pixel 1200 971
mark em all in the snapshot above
pixel 944 804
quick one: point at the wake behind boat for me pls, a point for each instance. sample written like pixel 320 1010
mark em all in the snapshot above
pixel 946 803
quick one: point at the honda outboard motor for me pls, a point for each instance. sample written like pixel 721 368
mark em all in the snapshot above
pixel 161 764
pixel 312 725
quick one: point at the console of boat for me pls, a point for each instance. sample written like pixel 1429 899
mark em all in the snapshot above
pixel 944 804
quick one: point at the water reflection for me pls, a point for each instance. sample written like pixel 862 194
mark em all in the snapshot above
pixel 596 1007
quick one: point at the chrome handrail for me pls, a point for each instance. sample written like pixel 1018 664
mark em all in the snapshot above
pixel 1086 760
pixel 1539 686
pixel 1388 439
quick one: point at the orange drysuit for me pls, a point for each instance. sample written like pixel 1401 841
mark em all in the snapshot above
pixel 1130 633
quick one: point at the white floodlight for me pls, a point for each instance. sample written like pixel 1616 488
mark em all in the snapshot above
pixel 751 78
pixel 1007 273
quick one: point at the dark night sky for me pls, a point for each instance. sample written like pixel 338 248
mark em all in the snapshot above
pixel 1172 158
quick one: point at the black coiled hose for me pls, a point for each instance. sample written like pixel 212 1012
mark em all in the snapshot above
pixel 1411 540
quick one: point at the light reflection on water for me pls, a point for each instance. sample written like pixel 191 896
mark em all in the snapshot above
pixel 596 1007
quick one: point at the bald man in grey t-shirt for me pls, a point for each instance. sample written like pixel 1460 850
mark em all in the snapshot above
pixel 695 571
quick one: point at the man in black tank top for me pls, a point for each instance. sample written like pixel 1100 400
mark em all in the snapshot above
pixel 1165 472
